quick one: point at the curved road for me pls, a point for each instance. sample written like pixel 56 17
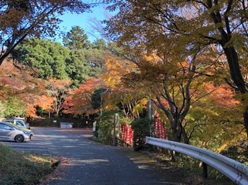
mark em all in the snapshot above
pixel 91 163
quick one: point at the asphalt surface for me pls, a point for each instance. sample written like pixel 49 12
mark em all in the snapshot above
pixel 90 163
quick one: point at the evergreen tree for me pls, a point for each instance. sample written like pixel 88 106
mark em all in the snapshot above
pixel 77 67
pixel 52 60
pixel 47 56
pixel 23 18
pixel 76 39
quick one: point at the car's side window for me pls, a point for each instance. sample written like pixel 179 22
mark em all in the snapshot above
pixel 6 127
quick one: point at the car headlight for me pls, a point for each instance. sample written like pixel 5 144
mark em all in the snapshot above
pixel 28 133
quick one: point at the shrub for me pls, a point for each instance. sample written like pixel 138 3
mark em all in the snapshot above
pixel 141 129
pixel 105 127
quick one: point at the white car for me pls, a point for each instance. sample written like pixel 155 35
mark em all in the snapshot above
pixel 12 132
pixel 18 122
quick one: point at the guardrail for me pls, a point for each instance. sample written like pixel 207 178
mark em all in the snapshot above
pixel 236 171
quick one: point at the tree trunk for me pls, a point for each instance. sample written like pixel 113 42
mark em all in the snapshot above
pixel 237 78
pixel 234 67
pixel 185 136
pixel 245 115
pixel 177 131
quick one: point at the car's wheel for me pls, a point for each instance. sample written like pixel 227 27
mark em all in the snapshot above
pixel 19 138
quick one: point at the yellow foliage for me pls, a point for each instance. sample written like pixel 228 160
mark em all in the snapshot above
pixel 153 57
pixel 140 105
pixel 115 70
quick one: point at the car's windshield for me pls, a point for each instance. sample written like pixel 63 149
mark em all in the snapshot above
pixel 9 121
pixel 20 123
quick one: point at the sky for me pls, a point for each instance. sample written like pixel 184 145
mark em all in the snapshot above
pixel 87 21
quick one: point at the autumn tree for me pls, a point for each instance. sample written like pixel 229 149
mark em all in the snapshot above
pixel 58 90
pixel 213 121
pixel 193 105
pixel 79 100
pixel 24 18
pixel 40 105
pixel 117 95
pixel 16 81
pixel 170 85
pixel 174 87
pixel 186 27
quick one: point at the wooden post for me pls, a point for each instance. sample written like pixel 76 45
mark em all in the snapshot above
pixel 205 170
pixel 150 115
pixel 116 129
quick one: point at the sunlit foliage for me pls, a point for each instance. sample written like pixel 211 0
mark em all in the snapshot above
pixel 24 18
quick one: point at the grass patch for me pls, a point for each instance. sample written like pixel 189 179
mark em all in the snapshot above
pixel 18 167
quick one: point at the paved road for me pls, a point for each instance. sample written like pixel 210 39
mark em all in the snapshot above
pixel 91 163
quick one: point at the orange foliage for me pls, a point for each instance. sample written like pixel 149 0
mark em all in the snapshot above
pixel 222 95
pixel 59 84
pixel 31 111
pixel 45 102
pixel 79 100
pixel 68 105
pixel 32 101
pixel 16 80
pixel 165 102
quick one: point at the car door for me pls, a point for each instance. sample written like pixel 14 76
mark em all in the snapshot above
pixel 5 131
pixel 2 133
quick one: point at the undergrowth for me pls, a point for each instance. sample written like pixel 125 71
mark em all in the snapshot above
pixel 22 168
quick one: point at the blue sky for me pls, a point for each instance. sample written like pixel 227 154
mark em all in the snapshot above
pixel 87 21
